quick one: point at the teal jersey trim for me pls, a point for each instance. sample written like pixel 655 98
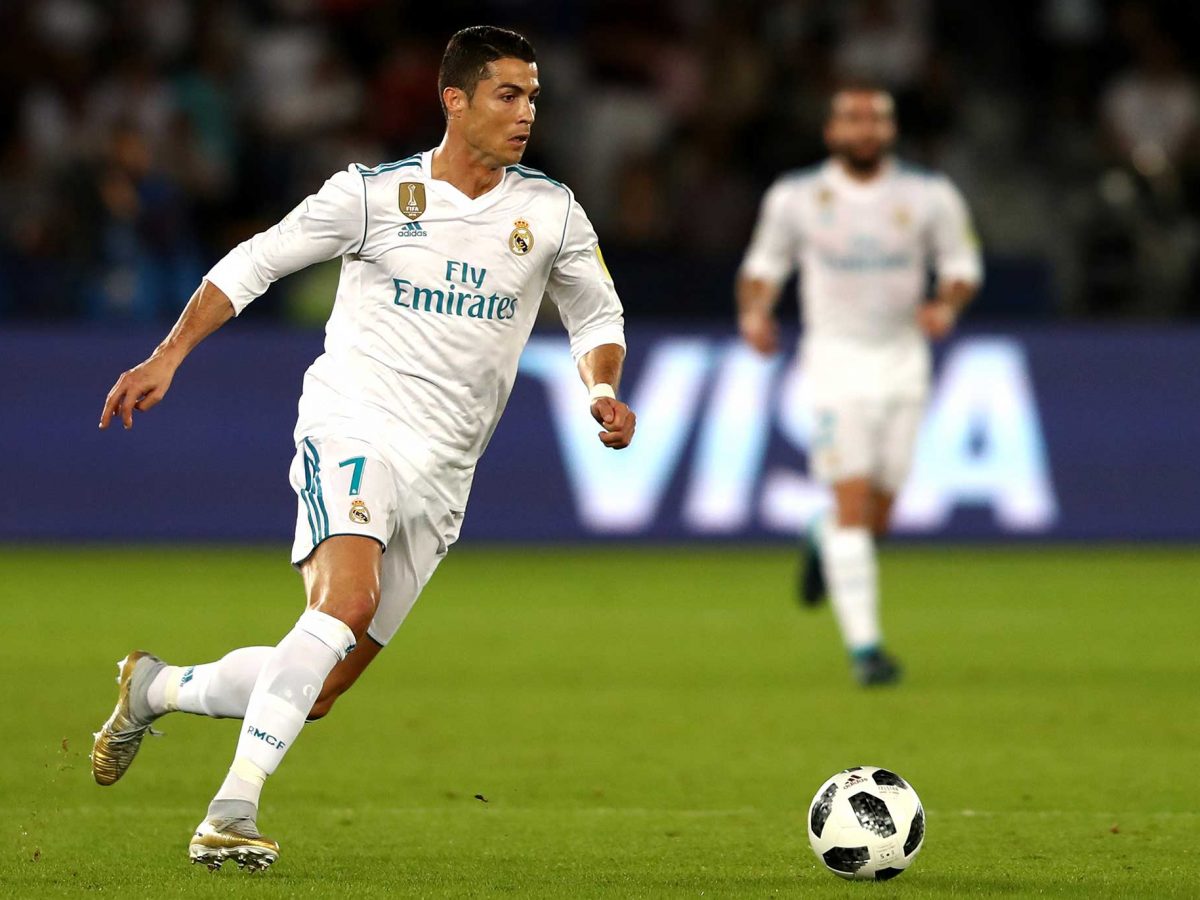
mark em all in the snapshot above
pixel 414 160
pixel 526 172
pixel 319 496
pixel 307 501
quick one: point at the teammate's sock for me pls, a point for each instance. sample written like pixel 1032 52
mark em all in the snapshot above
pixel 850 569
pixel 282 698
pixel 219 689
pixel 812 583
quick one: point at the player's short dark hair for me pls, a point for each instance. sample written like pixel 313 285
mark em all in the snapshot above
pixel 472 50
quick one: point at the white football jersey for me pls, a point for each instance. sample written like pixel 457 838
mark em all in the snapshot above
pixel 437 296
pixel 864 251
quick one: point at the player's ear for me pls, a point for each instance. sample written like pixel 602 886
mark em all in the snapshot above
pixel 455 101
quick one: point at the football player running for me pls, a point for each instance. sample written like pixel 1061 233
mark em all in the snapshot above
pixel 863 228
pixel 445 258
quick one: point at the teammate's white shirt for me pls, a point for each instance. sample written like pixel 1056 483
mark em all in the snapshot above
pixel 864 250
pixel 433 307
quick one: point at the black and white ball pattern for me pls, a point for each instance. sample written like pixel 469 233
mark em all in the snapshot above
pixel 866 823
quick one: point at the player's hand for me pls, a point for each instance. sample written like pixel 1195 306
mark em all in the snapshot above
pixel 937 319
pixel 760 331
pixel 140 388
pixel 618 420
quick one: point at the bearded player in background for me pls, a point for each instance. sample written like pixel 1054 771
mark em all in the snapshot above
pixel 864 229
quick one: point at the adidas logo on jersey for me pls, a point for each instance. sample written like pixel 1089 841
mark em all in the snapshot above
pixel 412 229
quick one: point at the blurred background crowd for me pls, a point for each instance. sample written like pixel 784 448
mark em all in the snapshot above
pixel 140 139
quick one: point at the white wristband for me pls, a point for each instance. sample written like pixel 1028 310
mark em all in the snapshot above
pixel 601 390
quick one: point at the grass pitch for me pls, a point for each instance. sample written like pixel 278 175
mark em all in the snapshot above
pixel 627 723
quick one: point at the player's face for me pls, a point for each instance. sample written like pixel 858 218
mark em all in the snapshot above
pixel 498 119
pixel 861 129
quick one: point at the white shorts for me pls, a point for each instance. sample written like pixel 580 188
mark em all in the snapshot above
pixel 865 438
pixel 344 486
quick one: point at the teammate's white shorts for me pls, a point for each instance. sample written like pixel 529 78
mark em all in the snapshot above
pixel 865 438
pixel 344 486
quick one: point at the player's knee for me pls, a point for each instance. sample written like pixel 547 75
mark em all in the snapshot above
pixel 355 607
pixel 854 513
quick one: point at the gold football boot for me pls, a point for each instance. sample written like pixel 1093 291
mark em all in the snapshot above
pixel 118 740
pixel 219 839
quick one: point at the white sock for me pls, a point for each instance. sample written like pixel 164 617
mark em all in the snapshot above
pixel 850 570
pixel 288 685
pixel 219 689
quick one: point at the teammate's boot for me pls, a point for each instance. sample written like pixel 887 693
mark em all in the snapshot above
pixel 119 738
pixel 229 832
pixel 812 588
pixel 874 667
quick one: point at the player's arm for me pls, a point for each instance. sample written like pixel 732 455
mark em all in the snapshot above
pixel 325 225
pixel 957 262
pixel 756 300
pixel 145 384
pixel 600 369
pixel 582 289
pixel 769 261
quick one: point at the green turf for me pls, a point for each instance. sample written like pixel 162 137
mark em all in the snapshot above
pixel 642 723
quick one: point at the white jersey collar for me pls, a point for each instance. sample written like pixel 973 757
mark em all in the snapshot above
pixel 843 182
pixel 449 192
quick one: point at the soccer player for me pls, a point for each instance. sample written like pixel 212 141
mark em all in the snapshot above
pixel 445 256
pixel 863 228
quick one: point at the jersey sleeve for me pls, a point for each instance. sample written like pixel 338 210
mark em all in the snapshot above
pixel 323 226
pixel 775 244
pixel 956 254
pixel 582 289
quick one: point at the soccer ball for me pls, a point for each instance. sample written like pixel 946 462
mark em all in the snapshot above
pixel 866 823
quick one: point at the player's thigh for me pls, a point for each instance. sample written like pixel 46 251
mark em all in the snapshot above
pixel 852 502
pixel 424 535
pixel 345 517
pixel 899 430
pixel 882 502
pixel 342 578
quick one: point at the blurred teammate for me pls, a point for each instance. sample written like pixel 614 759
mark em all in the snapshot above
pixel 863 228
pixel 445 258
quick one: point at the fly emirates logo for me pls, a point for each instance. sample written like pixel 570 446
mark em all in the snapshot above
pixel 463 294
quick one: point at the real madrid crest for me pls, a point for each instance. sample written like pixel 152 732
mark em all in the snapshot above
pixel 902 217
pixel 520 241
pixel 412 199
pixel 359 514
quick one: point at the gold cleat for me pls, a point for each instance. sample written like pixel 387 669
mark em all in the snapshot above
pixel 217 840
pixel 118 740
